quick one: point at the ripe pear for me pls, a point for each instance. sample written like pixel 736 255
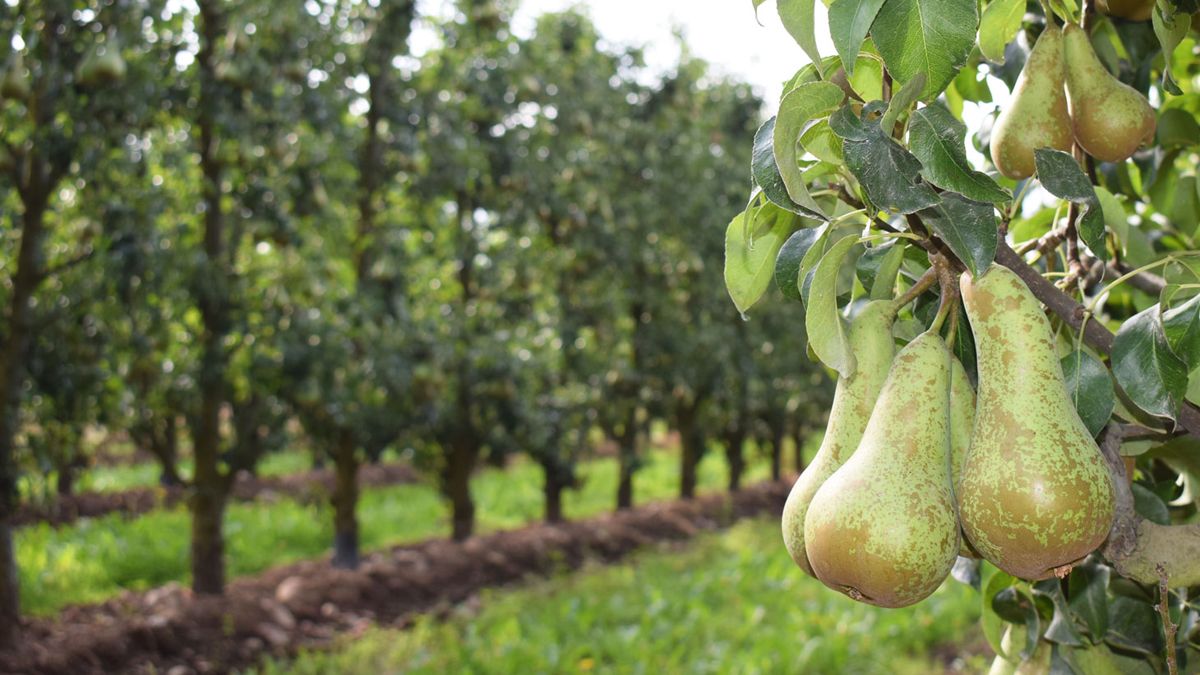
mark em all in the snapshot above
pixel 870 337
pixel 1036 117
pixel 1110 119
pixel 1130 10
pixel 883 528
pixel 1035 493
pixel 962 420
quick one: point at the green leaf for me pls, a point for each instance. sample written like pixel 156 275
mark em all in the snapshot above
pixel 849 23
pixel 820 141
pixel 1062 177
pixel 933 37
pixel 1181 325
pixel 1062 627
pixel 901 101
pixel 1114 214
pixel 808 264
pixel 798 19
pixel 936 139
pixel 822 320
pixel 750 264
pixel 1152 376
pixel 766 174
pixel 878 267
pixel 994 581
pixel 890 175
pixel 967 227
pixel 1149 505
pixel 1133 625
pixel 1088 585
pixel 998 26
pixel 787 263
pixel 1170 31
pixel 799 107
pixel 1091 389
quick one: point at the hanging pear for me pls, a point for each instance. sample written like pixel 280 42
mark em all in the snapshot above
pixel 102 65
pixel 1036 117
pixel 870 337
pixel 1035 493
pixel 962 421
pixel 1110 119
pixel 883 528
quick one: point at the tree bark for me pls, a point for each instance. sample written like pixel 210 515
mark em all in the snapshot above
pixel 798 442
pixel 627 449
pixel 553 488
pixel 345 504
pixel 691 447
pixel 208 541
pixel 456 482
pixel 735 441
pixel 10 604
pixel 64 483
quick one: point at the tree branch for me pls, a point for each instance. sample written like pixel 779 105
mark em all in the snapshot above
pixel 1141 550
pixel 1075 315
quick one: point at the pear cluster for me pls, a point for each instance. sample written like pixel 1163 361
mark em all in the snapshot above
pixel 916 468
pixel 1065 95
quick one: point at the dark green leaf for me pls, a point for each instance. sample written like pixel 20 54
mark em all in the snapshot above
pixel 1134 626
pixel 787 263
pixel 847 125
pixel 1062 626
pixel 766 174
pixel 890 175
pixel 808 264
pixel 933 37
pixel 1149 505
pixel 1091 389
pixel 797 17
pixel 849 22
pixel 1152 376
pixel 1088 586
pixel 994 581
pixel 1181 325
pixel 936 139
pixel 967 227
pixel 1062 177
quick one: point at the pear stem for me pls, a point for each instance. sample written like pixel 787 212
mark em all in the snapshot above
pixel 952 331
pixel 942 313
pixel 923 284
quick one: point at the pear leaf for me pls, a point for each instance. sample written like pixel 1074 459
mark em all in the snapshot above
pixel 900 102
pixel 766 175
pixel 1091 389
pixel 798 18
pixel 1181 325
pixel 849 23
pixel 998 26
pixel 968 228
pixel 1062 177
pixel 791 257
pixel 890 174
pixel 824 323
pixel 936 138
pixel 933 37
pixel 1152 376
pixel 799 107
pixel 750 262
pixel 1088 585
pixel 1170 31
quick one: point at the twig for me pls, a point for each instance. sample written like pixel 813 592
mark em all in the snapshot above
pixel 1164 610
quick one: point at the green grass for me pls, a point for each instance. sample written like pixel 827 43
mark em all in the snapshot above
pixel 731 602
pixel 95 559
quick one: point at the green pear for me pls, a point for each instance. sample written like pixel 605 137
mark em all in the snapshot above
pixel 962 420
pixel 870 337
pixel 1036 117
pixel 883 528
pixel 1035 493
pixel 1110 119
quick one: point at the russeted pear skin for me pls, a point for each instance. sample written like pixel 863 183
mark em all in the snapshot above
pixel 1035 493
pixel 962 420
pixel 1036 117
pixel 871 342
pixel 1110 119
pixel 883 529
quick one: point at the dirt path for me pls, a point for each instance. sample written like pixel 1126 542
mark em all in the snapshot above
pixel 306 605
pixel 306 486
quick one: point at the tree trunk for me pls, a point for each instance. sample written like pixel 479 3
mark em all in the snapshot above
pixel 345 504
pixel 208 541
pixel 689 456
pixel 778 434
pixel 10 602
pixel 553 490
pixel 627 448
pixel 734 443
pixel 166 451
pixel 456 483
pixel 776 459
pixel 625 486
pixel 798 441
pixel 64 483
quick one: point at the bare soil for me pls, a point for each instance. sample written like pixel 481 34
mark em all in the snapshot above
pixel 314 485
pixel 308 604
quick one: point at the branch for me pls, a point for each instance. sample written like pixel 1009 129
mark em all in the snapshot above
pixel 1139 549
pixel 1074 315
pixel 68 264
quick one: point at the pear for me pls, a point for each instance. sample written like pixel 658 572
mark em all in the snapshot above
pixel 1130 10
pixel 1110 119
pixel 1037 115
pixel 883 528
pixel 1035 493
pixel 962 420
pixel 870 337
